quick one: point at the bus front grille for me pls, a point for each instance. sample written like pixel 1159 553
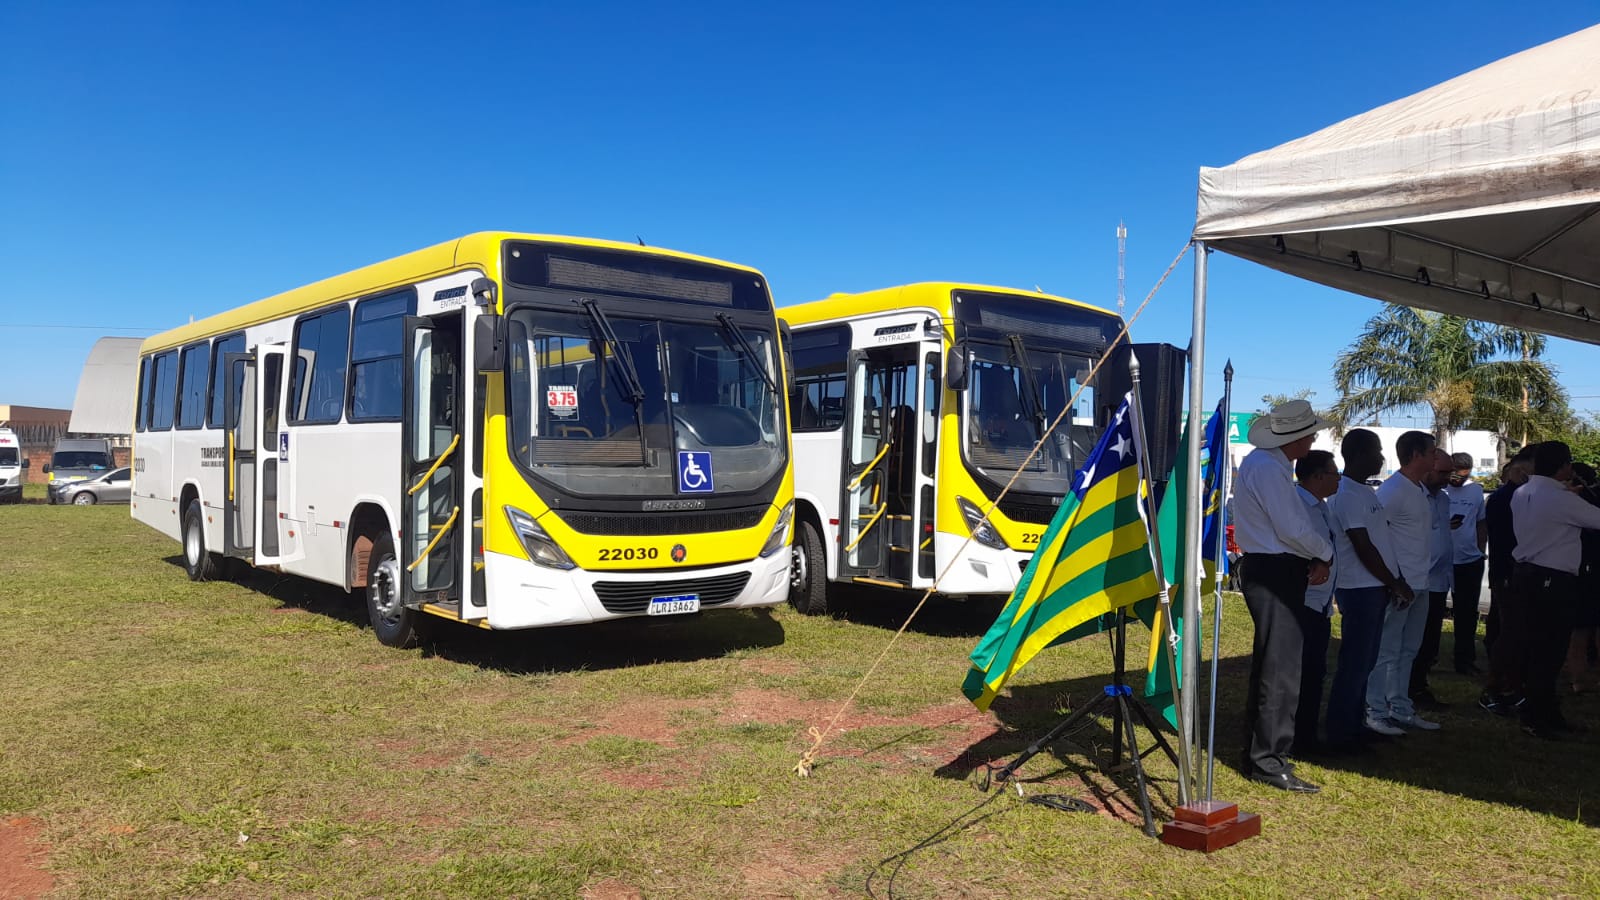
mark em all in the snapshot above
pixel 1032 513
pixel 649 523
pixel 634 596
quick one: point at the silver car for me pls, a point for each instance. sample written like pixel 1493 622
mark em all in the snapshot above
pixel 112 487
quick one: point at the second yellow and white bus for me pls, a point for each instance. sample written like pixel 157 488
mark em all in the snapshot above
pixel 507 430
pixel 913 407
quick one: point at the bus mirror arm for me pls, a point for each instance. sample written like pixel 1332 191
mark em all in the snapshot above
pixel 489 344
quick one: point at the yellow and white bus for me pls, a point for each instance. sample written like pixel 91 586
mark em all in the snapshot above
pixel 509 430
pixel 912 407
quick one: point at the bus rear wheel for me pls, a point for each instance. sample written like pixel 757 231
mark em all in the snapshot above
pixel 808 571
pixel 392 621
pixel 197 561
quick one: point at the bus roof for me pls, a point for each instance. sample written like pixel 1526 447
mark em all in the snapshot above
pixel 480 249
pixel 923 293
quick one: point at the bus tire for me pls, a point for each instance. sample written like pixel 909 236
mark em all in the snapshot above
pixel 197 560
pixel 808 572
pixel 393 623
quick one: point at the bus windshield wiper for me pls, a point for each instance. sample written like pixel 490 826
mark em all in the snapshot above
pixel 625 365
pixel 748 349
pixel 1020 352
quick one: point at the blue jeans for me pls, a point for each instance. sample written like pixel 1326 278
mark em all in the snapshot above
pixel 1361 614
pixel 1388 688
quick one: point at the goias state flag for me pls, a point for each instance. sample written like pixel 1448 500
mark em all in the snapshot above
pixel 1093 559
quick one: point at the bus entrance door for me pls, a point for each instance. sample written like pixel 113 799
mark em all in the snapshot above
pixel 239 499
pixel 431 462
pixel 877 540
pixel 272 453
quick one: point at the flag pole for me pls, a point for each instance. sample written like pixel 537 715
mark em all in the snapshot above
pixel 1220 551
pixel 1163 600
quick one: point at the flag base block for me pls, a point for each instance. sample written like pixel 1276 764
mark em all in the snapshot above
pixel 1209 825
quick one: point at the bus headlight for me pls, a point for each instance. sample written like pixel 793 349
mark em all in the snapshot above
pixel 983 531
pixel 780 532
pixel 536 543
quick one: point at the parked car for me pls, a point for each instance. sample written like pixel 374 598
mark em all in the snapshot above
pixel 112 487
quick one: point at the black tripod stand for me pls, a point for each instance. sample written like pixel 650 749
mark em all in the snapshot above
pixel 1124 709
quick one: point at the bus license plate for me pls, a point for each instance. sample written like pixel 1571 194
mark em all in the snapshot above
pixel 671 606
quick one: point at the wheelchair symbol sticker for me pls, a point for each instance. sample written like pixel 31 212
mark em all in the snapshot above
pixel 694 472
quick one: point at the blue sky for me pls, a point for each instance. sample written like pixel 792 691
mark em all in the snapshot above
pixel 166 160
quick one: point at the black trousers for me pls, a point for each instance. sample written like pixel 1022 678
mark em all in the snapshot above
pixel 1506 612
pixel 1428 650
pixel 1464 612
pixel 1550 598
pixel 1315 631
pixel 1274 591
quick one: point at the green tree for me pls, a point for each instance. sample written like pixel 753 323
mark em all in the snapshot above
pixel 1470 374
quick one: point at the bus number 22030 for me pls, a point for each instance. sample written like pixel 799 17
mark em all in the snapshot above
pixel 617 554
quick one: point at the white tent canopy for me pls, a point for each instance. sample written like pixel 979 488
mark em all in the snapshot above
pixel 1477 197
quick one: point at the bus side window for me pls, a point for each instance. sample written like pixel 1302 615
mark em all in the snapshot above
pixel 317 382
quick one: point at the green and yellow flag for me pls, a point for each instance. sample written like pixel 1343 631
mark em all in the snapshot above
pixel 1175 558
pixel 1093 559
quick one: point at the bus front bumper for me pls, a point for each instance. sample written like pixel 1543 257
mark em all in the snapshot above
pixel 977 569
pixel 523 595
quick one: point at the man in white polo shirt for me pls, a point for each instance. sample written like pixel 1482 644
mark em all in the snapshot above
pixel 1368 581
pixel 1405 502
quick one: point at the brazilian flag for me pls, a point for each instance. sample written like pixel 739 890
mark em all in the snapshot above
pixel 1093 559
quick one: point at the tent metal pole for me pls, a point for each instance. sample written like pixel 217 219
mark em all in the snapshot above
pixel 1194 504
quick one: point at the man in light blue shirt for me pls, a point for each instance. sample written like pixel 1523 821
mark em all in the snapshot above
pixel 1441 578
pixel 1410 512
pixel 1319 480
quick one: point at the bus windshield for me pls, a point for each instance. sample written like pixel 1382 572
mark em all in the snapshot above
pixel 10 457
pixel 1027 356
pixel 1011 401
pixel 603 404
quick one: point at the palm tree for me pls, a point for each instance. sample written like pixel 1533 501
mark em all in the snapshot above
pixel 1471 374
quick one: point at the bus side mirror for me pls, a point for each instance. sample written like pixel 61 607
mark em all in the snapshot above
pixel 489 344
pixel 786 341
pixel 955 370
pixel 46 469
pixel 25 462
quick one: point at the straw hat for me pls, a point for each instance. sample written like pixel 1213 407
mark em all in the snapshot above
pixel 1287 423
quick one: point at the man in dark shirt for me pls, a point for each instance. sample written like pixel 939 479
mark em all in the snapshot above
pixel 1500 687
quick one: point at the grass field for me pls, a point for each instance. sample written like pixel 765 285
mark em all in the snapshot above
pixel 252 739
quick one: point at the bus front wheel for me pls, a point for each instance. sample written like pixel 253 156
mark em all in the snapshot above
pixel 197 560
pixel 393 623
pixel 808 571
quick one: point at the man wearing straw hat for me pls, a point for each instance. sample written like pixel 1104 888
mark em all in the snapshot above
pixel 1284 552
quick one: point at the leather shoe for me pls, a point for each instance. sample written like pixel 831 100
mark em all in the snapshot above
pixel 1285 781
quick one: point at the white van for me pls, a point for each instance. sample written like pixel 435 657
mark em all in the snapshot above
pixel 12 466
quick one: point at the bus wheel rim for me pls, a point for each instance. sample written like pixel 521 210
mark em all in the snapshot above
pixel 798 569
pixel 385 589
pixel 191 543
